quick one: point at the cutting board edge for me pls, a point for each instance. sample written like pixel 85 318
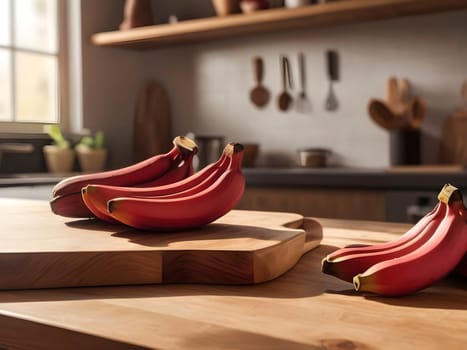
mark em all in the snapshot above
pixel 47 269
pixel 311 237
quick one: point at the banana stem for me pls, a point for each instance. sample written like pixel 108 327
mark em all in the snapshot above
pixel 185 145
pixel 356 282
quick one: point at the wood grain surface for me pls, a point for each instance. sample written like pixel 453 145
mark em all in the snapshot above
pixel 42 250
pixel 302 309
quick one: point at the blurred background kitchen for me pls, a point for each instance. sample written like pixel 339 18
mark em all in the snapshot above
pixel 381 126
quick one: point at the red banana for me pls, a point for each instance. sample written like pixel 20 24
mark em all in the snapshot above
pixel 183 170
pixel 413 232
pixel 70 205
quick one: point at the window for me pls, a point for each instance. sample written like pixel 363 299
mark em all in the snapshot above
pixel 30 61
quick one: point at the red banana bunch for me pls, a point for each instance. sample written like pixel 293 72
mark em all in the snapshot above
pixel 161 169
pixel 431 249
pixel 96 196
pixel 195 201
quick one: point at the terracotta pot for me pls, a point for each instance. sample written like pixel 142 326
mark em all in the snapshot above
pixel 91 160
pixel 59 160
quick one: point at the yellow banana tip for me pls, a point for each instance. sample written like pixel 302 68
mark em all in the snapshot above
pixel 326 265
pixel 356 282
pixel 183 142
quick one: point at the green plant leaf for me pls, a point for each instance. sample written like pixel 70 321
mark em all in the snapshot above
pixel 99 140
pixel 55 133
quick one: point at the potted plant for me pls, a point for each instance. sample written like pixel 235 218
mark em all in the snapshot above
pixel 91 152
pixel 59 156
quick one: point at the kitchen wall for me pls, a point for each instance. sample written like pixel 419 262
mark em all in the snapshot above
pixel 209 83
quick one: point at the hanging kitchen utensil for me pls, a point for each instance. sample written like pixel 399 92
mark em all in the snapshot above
pixel 259 95
pixel 302 104
pixel 331 103
pixel 284 100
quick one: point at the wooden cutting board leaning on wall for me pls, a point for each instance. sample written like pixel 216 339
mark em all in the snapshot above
pixel 152 133
pixel 453 149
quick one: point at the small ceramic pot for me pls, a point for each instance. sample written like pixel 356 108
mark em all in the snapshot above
pixel 91 160
pixel 59 160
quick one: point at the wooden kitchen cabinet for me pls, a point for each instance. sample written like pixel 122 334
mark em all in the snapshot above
pixel 330 203
pixel 273 20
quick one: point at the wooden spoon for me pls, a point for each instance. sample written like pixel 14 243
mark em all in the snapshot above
pixel 259 95
pixel 416 112
pixel 397 95
pixel 285 99
pixel 382 115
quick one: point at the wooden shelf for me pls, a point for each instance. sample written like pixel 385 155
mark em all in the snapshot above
pixel 216 28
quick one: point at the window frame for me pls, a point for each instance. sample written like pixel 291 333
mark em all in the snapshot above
pixel 18 127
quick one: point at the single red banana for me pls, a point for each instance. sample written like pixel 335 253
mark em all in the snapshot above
pixel 96 196
pixel 169 167
pixel 140 172
pixel 73 205
pixel 426 265
pixel 406 237
pixel 347 266
pixel 183 170
pixel 190 211
pixel 70 205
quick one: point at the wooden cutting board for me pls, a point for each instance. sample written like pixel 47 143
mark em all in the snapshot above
pixel 152 129
pixel 41 250
pixel 453 147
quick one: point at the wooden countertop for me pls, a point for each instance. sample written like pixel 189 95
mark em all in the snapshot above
pixel 303 309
